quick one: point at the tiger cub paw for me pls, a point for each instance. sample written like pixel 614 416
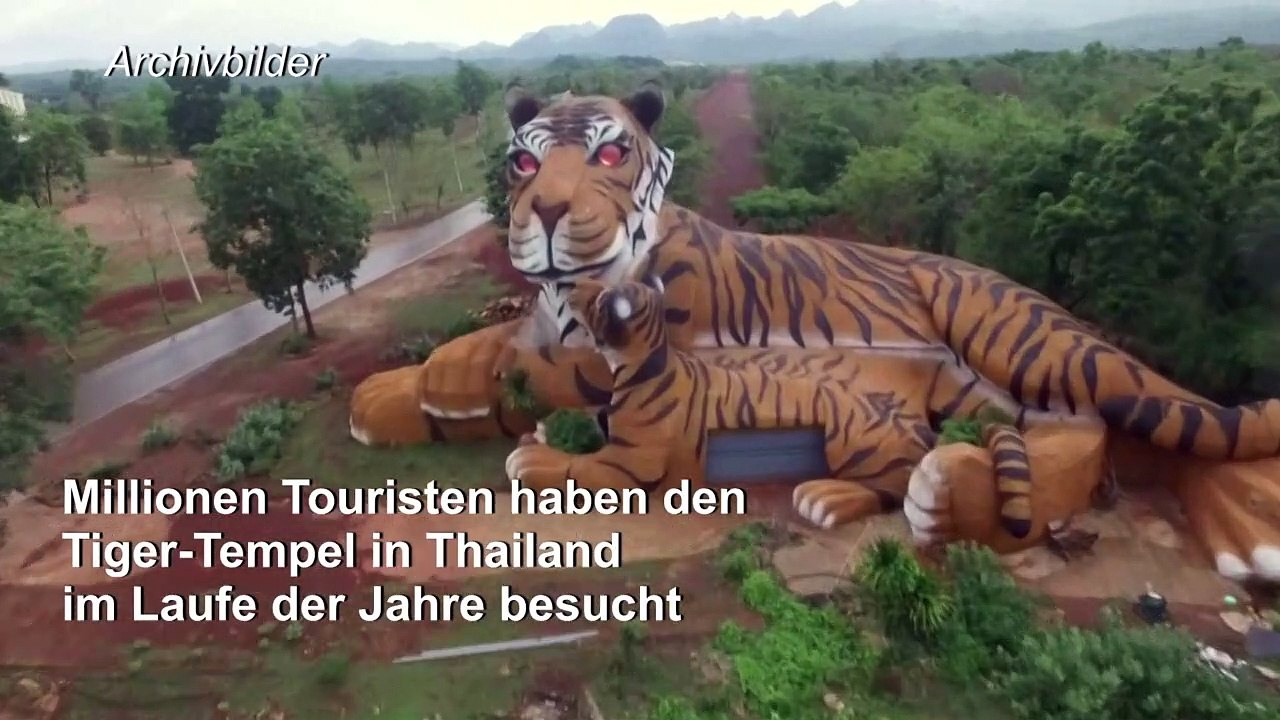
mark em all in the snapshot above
pixel 537 465
pixel 830 503
pixel 927 505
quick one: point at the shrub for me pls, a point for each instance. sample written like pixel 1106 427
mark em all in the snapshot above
pixel 295 344
pixel 1121 674
pixel 784 670
pixel 991 616
pixel 909 601
pixel 971 429
pixel 326 380
pixel 332 669
pixel 519 394
pixel 107 469
pixel 573 431
pixel 158 436
pixel 255 441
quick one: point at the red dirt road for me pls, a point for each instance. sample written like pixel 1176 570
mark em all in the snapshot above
pixel 725 116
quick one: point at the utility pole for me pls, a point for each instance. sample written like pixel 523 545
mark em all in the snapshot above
pixel 195 288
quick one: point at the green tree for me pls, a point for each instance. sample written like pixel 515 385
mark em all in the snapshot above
pixel 97 132
pixel 141 128
pixel 196 109
pixel 55 149
pixel 882 190
pixel 776 210
pixel 679 132
pixel 1159 225
pixel 89 85
pixel 281 214
pixel 474 86
pixel 495 186
pixel 16 177
pixel 46 281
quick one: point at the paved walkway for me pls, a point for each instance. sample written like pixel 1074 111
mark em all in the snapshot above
pixel 141 373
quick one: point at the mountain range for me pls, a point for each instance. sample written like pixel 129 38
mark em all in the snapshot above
pixel 863 30
pixel 871 28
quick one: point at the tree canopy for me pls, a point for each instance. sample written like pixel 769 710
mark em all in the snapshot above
pixel 47 274
pixel 1139 190
pixel 280 213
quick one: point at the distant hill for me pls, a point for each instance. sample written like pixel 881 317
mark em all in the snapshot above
pixel 865 30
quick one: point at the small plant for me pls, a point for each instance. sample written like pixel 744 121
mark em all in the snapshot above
pixel 970 430
pixel 804 652
pixel 910 601
pixel 743 552
pixel 267 629
pixel 573 431
pixel 107 469
pixel 293 631
pixel 295 344
pixel 333 668
pixel 464 325
pixel 255 441
pixel 519 394
pixel 158 436
pixel 326 380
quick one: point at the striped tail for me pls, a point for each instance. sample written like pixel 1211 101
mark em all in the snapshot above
pixel 1013 477
pixel 1048 360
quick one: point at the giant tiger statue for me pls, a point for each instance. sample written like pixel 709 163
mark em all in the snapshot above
pixel 873 346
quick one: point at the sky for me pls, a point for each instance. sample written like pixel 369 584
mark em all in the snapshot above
pixel 46 30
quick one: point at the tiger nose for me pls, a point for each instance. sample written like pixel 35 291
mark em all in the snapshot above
pixel 550 215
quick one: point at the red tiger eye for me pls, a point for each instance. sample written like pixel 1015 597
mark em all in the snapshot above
pixel 609 155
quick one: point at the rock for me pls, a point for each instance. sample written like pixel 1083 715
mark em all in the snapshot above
pixel 833 702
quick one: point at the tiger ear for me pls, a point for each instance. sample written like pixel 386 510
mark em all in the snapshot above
pixel 521 105
pixel 647 104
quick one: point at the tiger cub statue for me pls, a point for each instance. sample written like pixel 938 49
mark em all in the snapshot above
pixel 666 403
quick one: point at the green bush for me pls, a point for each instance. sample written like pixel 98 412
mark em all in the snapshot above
pixel 255 441
pixel 784 670
pixel 295 344
pixel 333 668
pixel 910 601
pixel 519 394
pixel 326 380
pixel 107 469
pixel 158 436
pixel 1121 674
pixel 971 429
pixel 573 431
pixel 991 614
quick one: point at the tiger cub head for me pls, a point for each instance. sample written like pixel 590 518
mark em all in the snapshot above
pixel 626 321
pixel 585 183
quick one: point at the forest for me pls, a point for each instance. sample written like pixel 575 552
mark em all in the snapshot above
pixel 1138 189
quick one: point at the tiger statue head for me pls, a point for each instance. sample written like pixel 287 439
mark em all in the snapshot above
pixel 627 323
pixel 586 182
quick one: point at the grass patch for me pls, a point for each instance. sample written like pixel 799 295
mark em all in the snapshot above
pixel 158 435
pixel 321 448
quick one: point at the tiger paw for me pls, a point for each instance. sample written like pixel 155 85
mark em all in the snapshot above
pixel 538 466
pixel 830 503
pixel 384 409
pixel 461 379
pixel 1234 509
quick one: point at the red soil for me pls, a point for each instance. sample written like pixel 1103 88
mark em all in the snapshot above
pixel 724 115
pixel 126 307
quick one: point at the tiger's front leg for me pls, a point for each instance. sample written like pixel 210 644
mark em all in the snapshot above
pixel 538 466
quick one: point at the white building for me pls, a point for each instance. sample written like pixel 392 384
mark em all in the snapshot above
pixel 13 102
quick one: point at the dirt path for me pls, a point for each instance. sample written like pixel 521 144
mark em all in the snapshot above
pixel 725 116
